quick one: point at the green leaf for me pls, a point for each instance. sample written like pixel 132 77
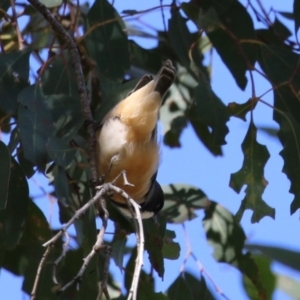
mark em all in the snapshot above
pixel 12 218
pixel 118 248
pixel 67 116
pixel 266 277
pixel 14 139
pixel 180 38
pixel 252 175
pixel 227 238
pixel 38 29
pixel 279 65
pixel 225 26
pixel 171 249
pixel 26 166
pixel 183 43
pixel 14 73
pixel 203 132
pixel 181 202
pixel 4 174
pixel 154 240
pixel 171 137
pixel 198 287
pixel 281 30
pixel 240 110
pixel 5 4
pixel 296 12
pixel 212 112
pixel 180 289
pixel 59 77
pixel 36 125
pixel 51 3
pixel 287 257
pixel 61 153
pixel 107 42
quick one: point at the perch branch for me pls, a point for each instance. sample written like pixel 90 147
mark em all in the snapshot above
pixel 38 273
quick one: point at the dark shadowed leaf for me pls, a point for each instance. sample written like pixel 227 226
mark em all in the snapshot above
pixel 181 202
pixel 107 41
pixel 171 137
pixel 287 257
pixel 240 110
pixel 296 11
pixel 266 276
pixel 12 219
pixel 252 175
pixel 5 4
pixel 227 238
pixel 281 30
pixel 62 193
pixel 203 133
pixel 67 115
pixel 180 38
pixel 279 65
pixel 180 289
pixel 198 287
pixel 154 241
pixel 14 139
pixel 14 72
pixel 146 287
pixel 212 112
pixel 145 59
pixel 171 249
pixel 35 123
pixel 118 249
pixel 185 44
pixel 61 153
pixel 26 165
pixel 226 24
pixel 59 77
pixel 4 174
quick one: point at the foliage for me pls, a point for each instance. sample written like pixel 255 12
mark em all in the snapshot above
pixel 41 112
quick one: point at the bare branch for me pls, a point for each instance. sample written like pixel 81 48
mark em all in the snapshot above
pixel 38 273
pixel 63 254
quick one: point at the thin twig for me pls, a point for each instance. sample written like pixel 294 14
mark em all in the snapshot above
pixel 72 46
pixel 63 254
pixel 16 25
pixel 79 212
pixel 140 241
pixel 38 273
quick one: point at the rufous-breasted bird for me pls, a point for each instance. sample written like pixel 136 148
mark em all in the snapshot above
pixel 127 142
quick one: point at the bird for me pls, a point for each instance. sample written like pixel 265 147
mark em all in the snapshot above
pixel 127 143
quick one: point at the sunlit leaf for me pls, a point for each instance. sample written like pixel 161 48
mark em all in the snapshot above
pixel 4 174
pixel 266 276
pixel 288 285
pixel 51 3
pixel 107 41
pixel 14 73
pixel 227 238
pixel 252 175
pixel 181 202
